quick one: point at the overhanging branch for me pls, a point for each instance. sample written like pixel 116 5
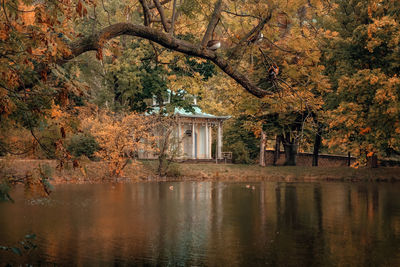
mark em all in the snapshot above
pixel 96 41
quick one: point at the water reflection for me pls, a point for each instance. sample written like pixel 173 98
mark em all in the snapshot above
pixel 209 223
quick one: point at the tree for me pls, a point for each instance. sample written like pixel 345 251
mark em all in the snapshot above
pixel 71 28
pixel 120 137
pixel 361 58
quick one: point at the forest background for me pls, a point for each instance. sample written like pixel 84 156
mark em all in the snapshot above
pixel 76 76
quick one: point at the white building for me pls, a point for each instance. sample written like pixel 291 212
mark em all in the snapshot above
pixel 195 132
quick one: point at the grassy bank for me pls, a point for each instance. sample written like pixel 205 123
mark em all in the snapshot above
pixel 92 172
pixel 287 173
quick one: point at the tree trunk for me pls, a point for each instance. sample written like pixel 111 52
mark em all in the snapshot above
pixel 277 149
pixel 372 161
pixel 348 159
pixel 290 154
pixel 317 145
pixel 290 147
pixel 262 149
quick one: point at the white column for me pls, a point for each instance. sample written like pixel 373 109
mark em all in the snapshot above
pixel 207 140
pixel 219 141
pixel 262 148
pixel 179 140
pixel 193 141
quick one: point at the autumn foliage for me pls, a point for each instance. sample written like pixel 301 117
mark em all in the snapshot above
pixel 338 73
pixel 121 137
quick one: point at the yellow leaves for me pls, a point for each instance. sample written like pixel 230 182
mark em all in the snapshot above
pixel 331 34
pixel 382 31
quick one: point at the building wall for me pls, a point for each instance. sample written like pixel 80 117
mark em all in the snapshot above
pixel 186 140
pixel 186 146
pixel 305 159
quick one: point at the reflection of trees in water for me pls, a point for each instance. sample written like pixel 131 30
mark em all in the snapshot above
pixel 282 224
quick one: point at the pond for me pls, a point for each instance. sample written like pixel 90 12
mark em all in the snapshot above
pixel 208 224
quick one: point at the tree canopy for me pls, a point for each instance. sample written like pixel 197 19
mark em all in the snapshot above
pixel 337 65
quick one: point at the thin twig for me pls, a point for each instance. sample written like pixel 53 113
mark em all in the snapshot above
pixel 108 12
pixel 241 15
pixel 171 30
pixel 5 13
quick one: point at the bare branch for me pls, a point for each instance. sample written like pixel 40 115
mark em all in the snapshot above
pixel 108 12
pixel 158 20
pixel 282 49
pixel 240 15
pixel 257 28
pixel 146 12
pixel 162 14
pixel 171 30
pixel 95 41
pixel 213 23
pixel 5 13
pixel 162 3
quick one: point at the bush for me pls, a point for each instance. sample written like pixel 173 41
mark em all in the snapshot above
pixel 240 153
pixel 82 144
pixel 173 170
pixel 240 141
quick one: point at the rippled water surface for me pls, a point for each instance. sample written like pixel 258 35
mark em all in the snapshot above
pixel 208 223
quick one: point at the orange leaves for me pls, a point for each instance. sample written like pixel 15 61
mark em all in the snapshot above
pixel 79 8
pixel 370 154
pixel 99 53
pixel 102 40
pixel 10 77
pixel 4 31
pixel 373 79
pixel 82 11
pixel 28 16
pixel 43 74
pixel 365 130
pixel 120 136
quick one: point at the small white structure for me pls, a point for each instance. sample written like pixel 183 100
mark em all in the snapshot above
pixel 194 132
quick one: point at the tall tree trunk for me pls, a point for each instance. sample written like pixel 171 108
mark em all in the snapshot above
pixel 348 159
pixel 277 149
pixel 262 148
pixel 372 161
pixel 317 145
pixel 290 147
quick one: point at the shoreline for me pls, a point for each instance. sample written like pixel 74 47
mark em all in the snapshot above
pixel 96 172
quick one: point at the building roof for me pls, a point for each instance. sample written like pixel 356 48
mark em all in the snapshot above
pixel 197 113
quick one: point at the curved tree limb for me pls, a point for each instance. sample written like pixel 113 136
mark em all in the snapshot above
pixel 96 41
